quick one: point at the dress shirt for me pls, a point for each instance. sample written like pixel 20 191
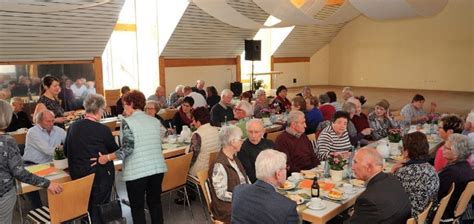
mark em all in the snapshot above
pixel 40 144
pixel 79 92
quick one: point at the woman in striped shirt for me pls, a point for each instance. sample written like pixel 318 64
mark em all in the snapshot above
pixel 334 138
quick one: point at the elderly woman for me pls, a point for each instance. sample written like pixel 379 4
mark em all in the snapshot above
pixel 152 108
pixel 413 112
pixel 281 104
pixel 313 115
pixel 355 137
pixel 11 168
pixel 184 115
pixel 242 113
pixel 213 97
pixel 360 120
pixel 333 100
pixel 458 171
pixel 226 173
pixel 49 100
pixel 261 105
pixel 85 139
pixel 380 121
pixel 298 103
pixel 143 161
pixel 334 138
pixel 447 126
pixel 418 177
pixel 326 108
pixel 223 112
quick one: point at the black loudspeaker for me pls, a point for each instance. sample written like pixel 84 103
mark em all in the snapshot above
pixel 236 88
pixel 253 50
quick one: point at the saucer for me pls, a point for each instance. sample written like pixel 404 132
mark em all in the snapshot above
pixel 352 191
pixel 323 206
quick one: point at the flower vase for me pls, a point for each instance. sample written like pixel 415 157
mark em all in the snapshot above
pixel 336 175
pixel 60 164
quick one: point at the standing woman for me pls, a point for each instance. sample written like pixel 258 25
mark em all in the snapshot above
pixel 281 104
pixel 85 139
pixel 11 168
pixel 49 100
pixel 143 162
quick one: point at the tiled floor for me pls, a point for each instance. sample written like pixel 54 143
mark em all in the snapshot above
pixel 172 212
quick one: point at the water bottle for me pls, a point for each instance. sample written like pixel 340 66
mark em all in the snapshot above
pixel 326 169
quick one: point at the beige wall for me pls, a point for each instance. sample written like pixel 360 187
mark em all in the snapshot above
pixel 219 76
pixel 319 67
pixel 423 53
pixel 295 70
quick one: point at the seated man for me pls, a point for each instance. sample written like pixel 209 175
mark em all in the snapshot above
pixel 375 204
pixel 199 88
pixel 222 112
pixel 296 145
pixel 413 112
pixel 260 202
pixel 119 103
pixel 19 118
pixel 159 96
pixel 252 146
pixel 42 139
pixel 199 100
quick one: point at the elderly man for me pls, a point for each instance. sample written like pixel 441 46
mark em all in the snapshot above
pixel 296 145
pixel 159 96
pixel 174 98
pixel 199 88
pixel 260 202
pixel 242 113
pixel 375 205
pixel 19 119
pixel 42 139
pixel 223 112
pixel 252 146
pixel 199 100
pixel 79 89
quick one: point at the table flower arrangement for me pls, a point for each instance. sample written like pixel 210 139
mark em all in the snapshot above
pixel 336 165
pixel 394 135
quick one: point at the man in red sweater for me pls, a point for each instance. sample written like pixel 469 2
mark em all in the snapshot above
pixel 296 145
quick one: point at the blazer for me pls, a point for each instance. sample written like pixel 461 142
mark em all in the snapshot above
pixel 261 203
pixel 384 201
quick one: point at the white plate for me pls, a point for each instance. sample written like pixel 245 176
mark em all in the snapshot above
pixel 352 191
pixel 344 197
pixel 323 206
pixel 290 185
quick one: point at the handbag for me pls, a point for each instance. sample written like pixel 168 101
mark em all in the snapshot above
pixel 111 212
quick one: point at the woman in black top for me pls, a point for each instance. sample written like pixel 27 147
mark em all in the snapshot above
pixel 184 115
pixel 49 100
pixel 212 96
pixel 87 139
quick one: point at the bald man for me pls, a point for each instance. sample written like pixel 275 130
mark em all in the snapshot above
pixel 384 199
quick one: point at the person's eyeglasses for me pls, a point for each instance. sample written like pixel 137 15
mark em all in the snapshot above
pixel 149 108
pixel 238 109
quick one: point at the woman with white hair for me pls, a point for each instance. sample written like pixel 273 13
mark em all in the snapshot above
pixel 243 111
pixel 261 105
pixel 222 112
pixel 226 173
pixel 456 150
pixel 469 125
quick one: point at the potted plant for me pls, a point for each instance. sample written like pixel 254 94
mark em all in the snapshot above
pixel 336 165
pixel 59 158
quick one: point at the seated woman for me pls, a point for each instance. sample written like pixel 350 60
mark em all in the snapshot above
pixel 447 126
pixel 85 139
pixel 313 115
pixel 213 97
pixel 226 173
pixel 334 138
pixel 380 121
pixel 355 137
pixel 243 111
pixel 183 116
pixel 413 112
pixel 261 105
pixel 246 96
pixel 151 108
pixel 418 177
pixel 326 108
pixel 360 120
pixel 281 104
pixel 458 171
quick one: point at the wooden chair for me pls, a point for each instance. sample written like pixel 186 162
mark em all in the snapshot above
pixel 168 114
pixel 442 205
pixel 203 176
pixel 463 201
pixel 311 137
pixel 19 138
pixel 111 96
pixel 176 177
pixel 273 135
pixel 421 217
pixel 70 204
pixel 112 125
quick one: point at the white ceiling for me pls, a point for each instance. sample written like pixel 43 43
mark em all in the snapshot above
pixel 78 34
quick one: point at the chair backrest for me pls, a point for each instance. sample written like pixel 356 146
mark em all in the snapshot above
pixel 168 114
pixel 212 157
pixel 442 205
pixel 111 96
pixel 112 125
pixel 178 168
pixel 19 138
pixel 273 135
pixel 464 199
pixel 202 176
pixel 72 202
pixel 311 137
pixel 422 216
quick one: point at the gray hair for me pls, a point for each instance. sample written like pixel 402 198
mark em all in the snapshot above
pixel 228 134
pixel 246 106
pixel 226 92
pixel 15 99
pixel 268 162
pixel 349 107
pixel 93 103
pixel 372 154
pixel 470 117
pixel 6 112
pixel 39 116
pixel 254 120
pixel 179 88
pixel 259 92
pixel 294 115
pixel 324 98
pixel 461 145
pixel 155 103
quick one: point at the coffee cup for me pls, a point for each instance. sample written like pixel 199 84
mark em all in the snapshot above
pixel 171 140
pixel 316 202
pixel 347 187
pixel 296 175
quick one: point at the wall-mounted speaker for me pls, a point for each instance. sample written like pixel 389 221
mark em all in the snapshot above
pixel 253 50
